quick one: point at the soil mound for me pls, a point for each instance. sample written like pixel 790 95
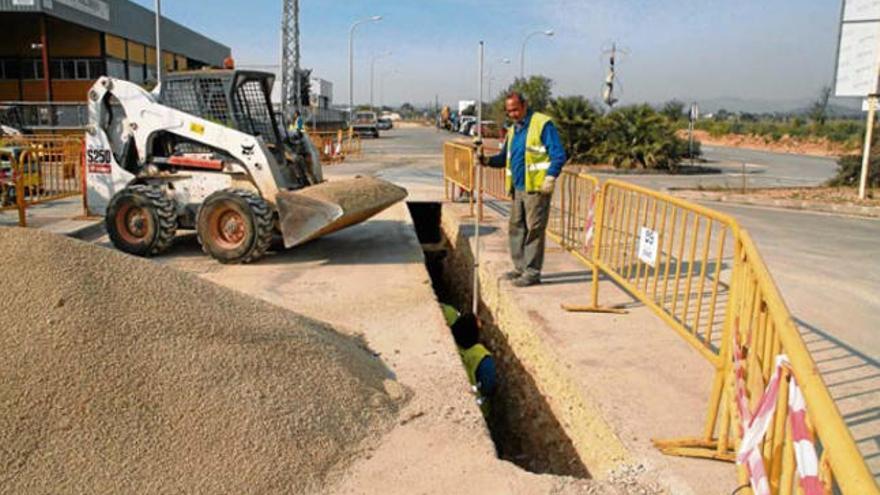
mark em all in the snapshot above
pixel 122 376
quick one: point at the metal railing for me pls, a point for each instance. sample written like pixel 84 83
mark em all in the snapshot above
pixel 44 116
pixel 37 169
pixel 703 276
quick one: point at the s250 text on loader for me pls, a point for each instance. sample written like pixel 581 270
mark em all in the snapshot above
pixel 205 151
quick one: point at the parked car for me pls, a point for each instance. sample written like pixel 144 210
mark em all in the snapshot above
pixel 465 123
pixel 490 129
pixel 366 123
pixel 384 124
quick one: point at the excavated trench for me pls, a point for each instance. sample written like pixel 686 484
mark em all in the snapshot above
pixel 523 427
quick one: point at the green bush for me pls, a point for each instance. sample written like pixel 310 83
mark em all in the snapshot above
pixel 638 137
pixel 578 123
pixel 849 170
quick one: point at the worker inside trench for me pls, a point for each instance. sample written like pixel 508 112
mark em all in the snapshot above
pixel 522 425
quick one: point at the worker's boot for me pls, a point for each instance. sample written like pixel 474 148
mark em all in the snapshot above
pixel 527 280
pixel 512 275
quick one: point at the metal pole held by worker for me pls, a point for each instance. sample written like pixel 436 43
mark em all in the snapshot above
pixel 479 182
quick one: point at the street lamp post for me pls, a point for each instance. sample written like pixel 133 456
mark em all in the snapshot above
pixel 158 43
pixel 375 18
pixel 372 73
pixel 522 53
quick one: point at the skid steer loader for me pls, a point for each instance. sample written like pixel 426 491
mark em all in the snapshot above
pixel 205 151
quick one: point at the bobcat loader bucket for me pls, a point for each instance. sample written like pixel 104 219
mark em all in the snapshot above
pixel 318 210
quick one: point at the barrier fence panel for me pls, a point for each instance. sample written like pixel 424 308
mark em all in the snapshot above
pixel 493 183
pixel 672 255
pixel 459 171
pixel 571 221
pixel 39 168
pixel 770 409
pixel 334 146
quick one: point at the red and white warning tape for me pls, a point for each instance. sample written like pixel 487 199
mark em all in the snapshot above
pixel 590 222
pixel 804 450
pixel 754 427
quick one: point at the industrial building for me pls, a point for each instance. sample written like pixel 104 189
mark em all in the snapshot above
pixel 53 50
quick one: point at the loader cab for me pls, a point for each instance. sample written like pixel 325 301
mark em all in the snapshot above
pixel 239 99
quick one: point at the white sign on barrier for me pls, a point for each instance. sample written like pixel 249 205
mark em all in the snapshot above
pixel 648 246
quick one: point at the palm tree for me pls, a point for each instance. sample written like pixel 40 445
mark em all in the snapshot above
pixel 639 137
pixel 577 121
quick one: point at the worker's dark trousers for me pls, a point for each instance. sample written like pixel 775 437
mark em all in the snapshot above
pixel 528 224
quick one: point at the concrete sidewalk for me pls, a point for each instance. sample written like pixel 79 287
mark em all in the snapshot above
pixel 62 216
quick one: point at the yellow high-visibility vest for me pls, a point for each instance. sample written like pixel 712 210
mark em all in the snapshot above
pixel 471 358
pixel 450 314
pixel 536 157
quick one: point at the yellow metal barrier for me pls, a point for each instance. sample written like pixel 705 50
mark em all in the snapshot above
pixel 571 222
pixel 38 169
pixel 702 274
pixel 492 183
pixel 672 255
pixel 459 171
pixel 760 324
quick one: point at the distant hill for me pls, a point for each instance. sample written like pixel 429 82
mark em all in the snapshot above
pixel 837 107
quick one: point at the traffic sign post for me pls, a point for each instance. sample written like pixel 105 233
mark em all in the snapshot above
pixel 858 65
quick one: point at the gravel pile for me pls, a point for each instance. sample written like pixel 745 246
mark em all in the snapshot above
pixel 118 375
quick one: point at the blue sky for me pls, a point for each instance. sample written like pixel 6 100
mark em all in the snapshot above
pixel 687 49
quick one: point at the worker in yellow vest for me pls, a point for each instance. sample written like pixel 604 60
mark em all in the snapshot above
pixel 477 360
pixel 532 156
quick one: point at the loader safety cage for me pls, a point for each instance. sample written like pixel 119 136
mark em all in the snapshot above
pixel 234 98
pixel 701 273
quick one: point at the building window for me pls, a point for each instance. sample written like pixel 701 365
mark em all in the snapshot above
pixel 151 73
pixel 116 68
pixel 136 72
pixel 82 69
pixel 31 68
pixel 9 69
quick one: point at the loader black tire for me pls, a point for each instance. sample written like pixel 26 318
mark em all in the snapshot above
pixel 141 220
pixel 235 226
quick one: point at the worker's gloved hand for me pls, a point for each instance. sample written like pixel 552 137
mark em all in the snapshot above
pixel 548 185
pixel 481 158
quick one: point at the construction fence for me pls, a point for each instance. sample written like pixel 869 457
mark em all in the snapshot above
pixel 334 146
pixel 769 410
pixel 35 169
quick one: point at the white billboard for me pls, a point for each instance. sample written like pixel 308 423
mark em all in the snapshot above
pixel 858 51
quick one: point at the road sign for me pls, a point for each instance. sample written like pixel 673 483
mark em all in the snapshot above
pixel 858 49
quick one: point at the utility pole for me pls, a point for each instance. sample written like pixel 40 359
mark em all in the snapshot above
pixel 290 59
pixel 608 93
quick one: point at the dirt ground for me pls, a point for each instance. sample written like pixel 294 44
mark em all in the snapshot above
pixel 814 147
pixel 827 196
